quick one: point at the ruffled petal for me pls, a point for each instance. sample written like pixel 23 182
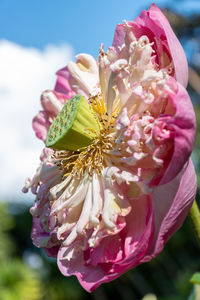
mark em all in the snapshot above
pixel 183 124
pixel 88 276
pixel 154 24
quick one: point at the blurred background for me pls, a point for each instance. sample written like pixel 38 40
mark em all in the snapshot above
pixel 36 39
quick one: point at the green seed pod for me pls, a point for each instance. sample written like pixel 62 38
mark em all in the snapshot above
pixel 74 127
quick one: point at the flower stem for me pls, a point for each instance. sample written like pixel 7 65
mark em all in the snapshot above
pixel 195 218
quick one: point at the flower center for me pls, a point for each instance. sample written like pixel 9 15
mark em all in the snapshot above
pixel 94 156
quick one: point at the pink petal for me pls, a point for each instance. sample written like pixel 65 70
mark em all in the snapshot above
pixel 158 20
pixel 119 36
pixel 138 233
pixel 39 236
pixel 63 85
pixel 88 276
pixel 41 125
pixel 183 124
pixel 110 249
pixel 172 203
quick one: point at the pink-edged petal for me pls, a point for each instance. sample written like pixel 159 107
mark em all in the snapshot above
pixel 154 24
pixel 119 36
pixel 41 125
pixel 85 74
pixel 51 103
pixel 88 276
pixel 180 62
pixel 77 78
pixel 133 242
pixel 183 124
pixel 64 97
pixel 172 203
pixel 63 86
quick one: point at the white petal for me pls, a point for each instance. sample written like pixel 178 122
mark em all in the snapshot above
pixel 111 95
pixel 84 72
pixel 50 103
pixel 71 237
pixel 108 209
pixel 84 217
pixel 74 200
pixel 97 200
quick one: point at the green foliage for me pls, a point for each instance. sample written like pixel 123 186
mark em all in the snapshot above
pixel 6 224
pixel 63 289
pixel 18 282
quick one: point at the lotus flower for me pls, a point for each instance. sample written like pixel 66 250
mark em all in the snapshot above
pixel 106 205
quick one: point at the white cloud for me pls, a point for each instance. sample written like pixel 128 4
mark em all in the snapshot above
pixel 24 74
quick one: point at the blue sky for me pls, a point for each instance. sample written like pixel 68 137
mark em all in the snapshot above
pixel 84 24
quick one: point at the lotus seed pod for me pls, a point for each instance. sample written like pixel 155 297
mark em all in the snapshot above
pixel 76 126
